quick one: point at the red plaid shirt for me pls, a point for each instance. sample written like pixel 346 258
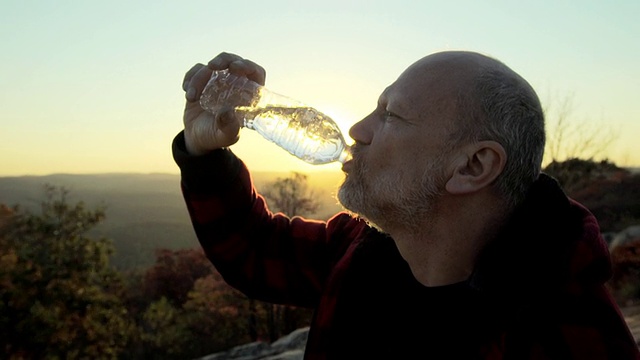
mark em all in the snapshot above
pixel 537 292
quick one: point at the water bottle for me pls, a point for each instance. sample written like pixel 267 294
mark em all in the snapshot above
pixel 298 128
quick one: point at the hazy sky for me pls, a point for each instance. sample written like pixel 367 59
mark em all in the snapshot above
pixel 95 86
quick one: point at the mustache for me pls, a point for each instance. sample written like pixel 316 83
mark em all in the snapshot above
pixel 356 150
pixel 359 167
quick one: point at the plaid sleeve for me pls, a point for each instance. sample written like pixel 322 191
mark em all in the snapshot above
pixel 267 256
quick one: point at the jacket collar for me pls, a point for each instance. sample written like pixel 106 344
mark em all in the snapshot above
pixel 550 245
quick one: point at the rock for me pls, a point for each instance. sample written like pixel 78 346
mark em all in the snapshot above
pixel 629 234
pixel 288 347
pixel 288 355
pixel 297 339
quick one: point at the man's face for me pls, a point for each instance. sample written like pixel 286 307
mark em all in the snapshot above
pixel 401 156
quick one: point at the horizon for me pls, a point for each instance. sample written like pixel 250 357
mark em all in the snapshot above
pixel 633 169
pixel 92 94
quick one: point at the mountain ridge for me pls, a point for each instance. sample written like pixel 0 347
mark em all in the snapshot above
pixel 144 211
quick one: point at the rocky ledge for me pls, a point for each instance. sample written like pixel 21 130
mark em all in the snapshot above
pixel 291 347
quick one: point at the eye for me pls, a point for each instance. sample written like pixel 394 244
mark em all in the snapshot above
pixel 388 115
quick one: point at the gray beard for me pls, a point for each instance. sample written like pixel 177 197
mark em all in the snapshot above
pixel 392 203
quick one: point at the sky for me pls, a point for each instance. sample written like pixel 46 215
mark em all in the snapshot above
pixel 95 86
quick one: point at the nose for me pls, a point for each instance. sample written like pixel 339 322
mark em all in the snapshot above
pixel 361 131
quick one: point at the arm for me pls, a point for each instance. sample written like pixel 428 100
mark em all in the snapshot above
pixel 267 256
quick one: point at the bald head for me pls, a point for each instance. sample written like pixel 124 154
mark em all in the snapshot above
pixel 458 70
pixel 458 63
pixel 484 100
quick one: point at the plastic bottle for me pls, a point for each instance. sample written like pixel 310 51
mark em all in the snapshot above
pixel 298 128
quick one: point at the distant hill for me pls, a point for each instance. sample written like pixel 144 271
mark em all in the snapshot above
pixel 144 212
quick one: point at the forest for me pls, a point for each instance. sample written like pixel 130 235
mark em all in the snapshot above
pixel 62 297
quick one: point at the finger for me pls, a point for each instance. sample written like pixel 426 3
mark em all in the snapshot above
pixel 249 69
pixel 228 122
pixel 222 61
pixel 189 75
pixel 197 83
pixel 228 126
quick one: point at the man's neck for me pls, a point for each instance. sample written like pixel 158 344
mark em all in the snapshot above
pixel 434 262
pixel 446 248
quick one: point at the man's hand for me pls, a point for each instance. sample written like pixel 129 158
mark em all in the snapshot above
pixel 204 131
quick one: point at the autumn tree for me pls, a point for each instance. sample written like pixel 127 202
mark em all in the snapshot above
pixel 174 274
pixel 220 317
pixel 186 310
pixel 60 298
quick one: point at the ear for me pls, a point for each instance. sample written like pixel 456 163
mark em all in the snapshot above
pixel 477 167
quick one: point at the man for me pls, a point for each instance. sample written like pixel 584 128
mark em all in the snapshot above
pixel 457 246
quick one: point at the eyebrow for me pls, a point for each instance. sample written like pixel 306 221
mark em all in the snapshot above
pixel 383 96
pixel 401 110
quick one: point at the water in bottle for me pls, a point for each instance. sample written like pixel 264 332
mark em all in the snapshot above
pixel 300 129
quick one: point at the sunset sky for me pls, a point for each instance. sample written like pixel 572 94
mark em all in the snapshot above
pixel 95 86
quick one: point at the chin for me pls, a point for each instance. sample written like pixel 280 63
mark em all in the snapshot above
pixel 375 226
pixel 369 222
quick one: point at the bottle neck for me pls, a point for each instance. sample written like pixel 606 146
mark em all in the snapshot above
pixel 345 155
pixel 246 115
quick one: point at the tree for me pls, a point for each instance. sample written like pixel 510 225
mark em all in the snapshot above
pixel 166 335
pixel 218 316
pixel 291 196
pixel 186 310
pixel 570 139
pixel 60 298
pixel 174 274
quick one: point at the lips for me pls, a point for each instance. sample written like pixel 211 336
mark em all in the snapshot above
pixel 346 167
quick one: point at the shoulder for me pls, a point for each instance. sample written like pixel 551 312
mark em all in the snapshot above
pixel 574 327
